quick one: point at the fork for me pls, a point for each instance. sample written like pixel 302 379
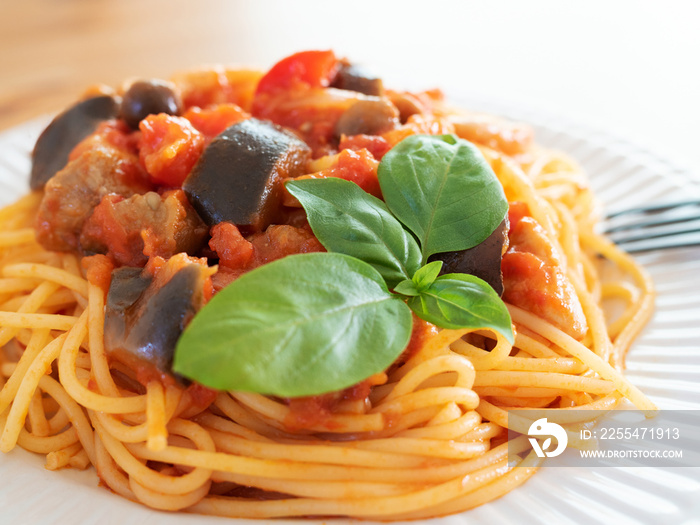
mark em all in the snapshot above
pixel 655 227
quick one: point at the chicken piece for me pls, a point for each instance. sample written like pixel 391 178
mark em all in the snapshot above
pixel 131 230
pixel 533 276
pixel 72 194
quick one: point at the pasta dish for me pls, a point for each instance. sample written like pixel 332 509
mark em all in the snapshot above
pixel 299 293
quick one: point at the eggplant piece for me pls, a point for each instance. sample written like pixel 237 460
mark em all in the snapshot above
pixel 239 176
pixel 55 143
pixel 482 260
pixel 144 317
pixel 356 78
pixel 368 117
pixel 126 287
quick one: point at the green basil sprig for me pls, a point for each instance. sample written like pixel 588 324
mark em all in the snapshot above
pixel 315 323
pixel 424 277
pixel 443 190
pixel 458 300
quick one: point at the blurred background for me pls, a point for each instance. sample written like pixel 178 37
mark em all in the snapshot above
pixel 626 67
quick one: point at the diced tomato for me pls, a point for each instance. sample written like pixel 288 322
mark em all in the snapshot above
pixel 376 145
pixel 234 251
pixel 213 120
pixel 303 69
pixel 169 147
pixel 223 277
pixel 359 167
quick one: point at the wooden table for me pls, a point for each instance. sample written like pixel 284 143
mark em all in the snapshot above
pixel 51 50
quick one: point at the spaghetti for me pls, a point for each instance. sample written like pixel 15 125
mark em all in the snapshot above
pixel 428 439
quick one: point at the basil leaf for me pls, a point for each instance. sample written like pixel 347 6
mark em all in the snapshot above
pixel 346 219
pixel 443 190
pixel 458 300
pixel 302 325
pixel 407 287
pixel 427 274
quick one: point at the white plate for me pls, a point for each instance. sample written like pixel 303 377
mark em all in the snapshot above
pixel 664 363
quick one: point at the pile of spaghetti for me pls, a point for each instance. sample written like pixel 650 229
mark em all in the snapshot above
pixel 427 437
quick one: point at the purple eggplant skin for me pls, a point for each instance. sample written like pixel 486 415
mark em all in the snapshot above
pixel 143 322
pixel 239 176
pixel 125 288
pixel 55 143
pixel 354 78
pixel 482 260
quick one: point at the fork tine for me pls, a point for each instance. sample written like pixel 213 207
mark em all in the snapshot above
pixel 627 236
pixel 650 223
pixel 655 227
pixel 659 244
pixel 654 208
